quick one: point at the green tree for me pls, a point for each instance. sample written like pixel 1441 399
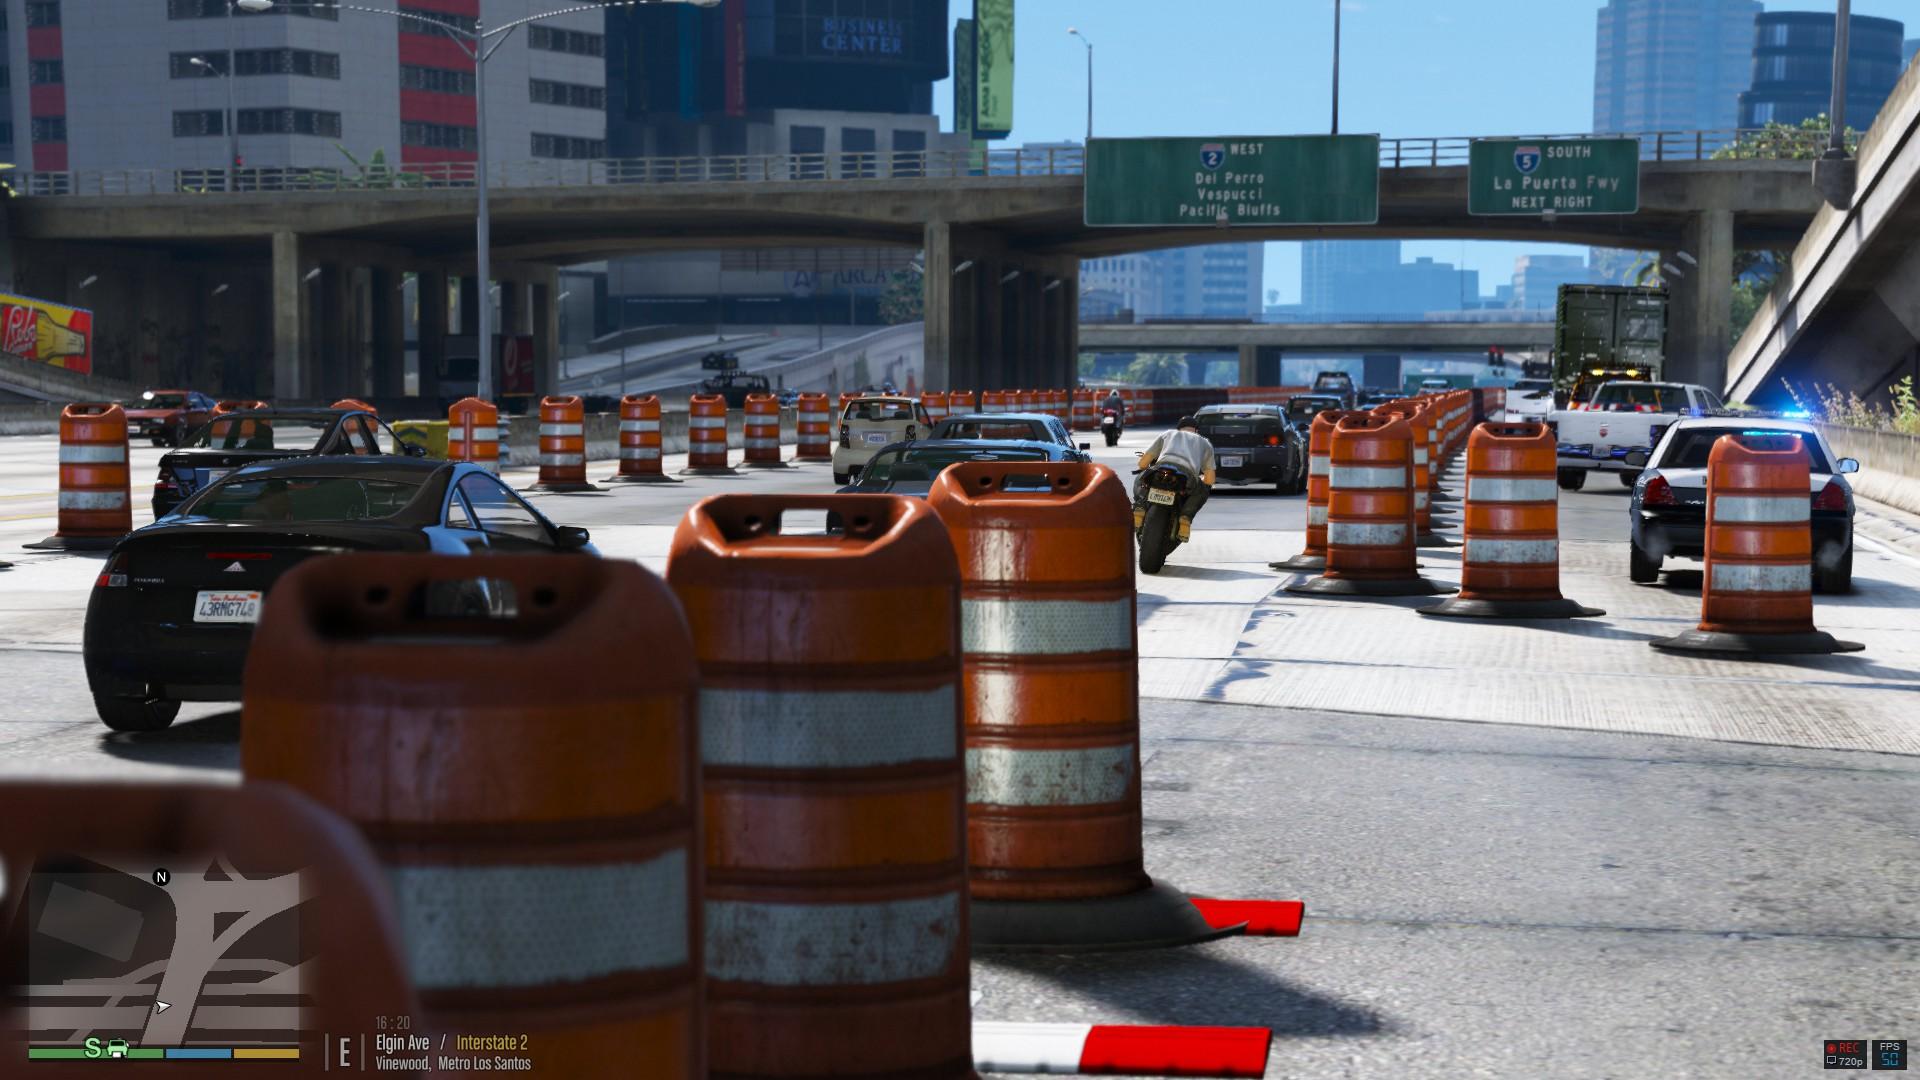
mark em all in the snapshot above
pixel 1785 142
pixel 904 298
pixel 1157 369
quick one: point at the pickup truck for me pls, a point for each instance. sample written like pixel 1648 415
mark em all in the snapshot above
pixel 1621 417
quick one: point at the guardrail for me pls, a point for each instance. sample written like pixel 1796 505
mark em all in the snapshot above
pixel 1004 163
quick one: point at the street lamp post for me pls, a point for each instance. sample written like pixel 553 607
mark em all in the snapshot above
pixel 1336 67
pixel 479 44
pixel 1089 44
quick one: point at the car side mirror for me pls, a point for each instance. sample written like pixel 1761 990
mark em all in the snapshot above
pixel 413 449
pixel 570 537
pixel 1849 465
pixel 1086 446
pixel 1637 458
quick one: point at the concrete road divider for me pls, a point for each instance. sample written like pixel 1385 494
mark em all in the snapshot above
pixel 1319 471
pixel 1109 1049
pixel 531 790
pixel 836 915
pixel 1510 568
pixel 563 445
pixel 96 497
pixel 813 426
pixel 706 436
pixel 640 442
pixel 763 432
pixel 354 403
pixel 337 909
pixel 1419 419
pixel 1757 594
pixel 428 435
pixel 473 433
pixel 1050 698
pixel 1370 513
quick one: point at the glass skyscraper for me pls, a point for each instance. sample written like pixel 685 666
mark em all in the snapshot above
pixel 1671 65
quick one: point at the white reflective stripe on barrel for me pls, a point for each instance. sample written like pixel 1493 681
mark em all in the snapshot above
pixel 1420 456
pixel 92 500
pixel 562 430
pixel 758 443
pixel 832 944
pixel 1761 509
pixel 483 927
pixel 1045 627
pixel 1420 498
pixel 1319 465
pixel 1520 552
pixel 1510 489
pixel 480 434
pixel 639 453
pixel 563 459
pixel 1366 533
pixel 1006 776
pixel 813 729
pixel 640 425
pixel 1316 515
pixel 92 453
pixel 706 421
pixel 1762 577
pixel 1346 477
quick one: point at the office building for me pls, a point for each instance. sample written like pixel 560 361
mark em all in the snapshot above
pixel 1908 50
pixel 1219 281
pixel 1342 280
pixel 1329 269
pixel 1537 279
pixel 1671 65
pixel 6 86
pixel 146 88
pixel 1117 283
pixel 1793 68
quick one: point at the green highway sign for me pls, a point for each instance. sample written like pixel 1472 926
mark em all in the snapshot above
pixel 1252 180
pixel 1561 176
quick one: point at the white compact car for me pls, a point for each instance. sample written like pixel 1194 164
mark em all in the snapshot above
pixel 1530 401
pixel 871 422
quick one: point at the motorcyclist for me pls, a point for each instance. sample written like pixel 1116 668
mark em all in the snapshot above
pixel 1182 448
pixel 1118 404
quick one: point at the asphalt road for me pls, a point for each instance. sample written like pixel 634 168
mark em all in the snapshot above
pixel 1525 850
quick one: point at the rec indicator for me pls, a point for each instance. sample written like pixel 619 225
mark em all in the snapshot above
pixel 1534 177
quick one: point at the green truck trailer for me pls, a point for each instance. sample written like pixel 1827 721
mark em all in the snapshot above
pixel 1605 332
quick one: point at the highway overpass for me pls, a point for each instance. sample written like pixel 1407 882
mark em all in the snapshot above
pixel 1261 346
pixel 308 271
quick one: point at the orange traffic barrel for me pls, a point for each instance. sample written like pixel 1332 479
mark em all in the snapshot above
pixel 354 403
pixel 935 402
pixel 1510 567
pixel 1050 700
pixel 846 397
pixel 1086 410
pixel 259 858
pixel 96 485
pixel 1420 419
pixel 1370 515
pixel 532 791
pixel 1757 594
pixel 563 445
pixel 640 442
pixel 1319 470
pixel 996 401
pixel 762 432
pixel 959 401
pixel 1057 404
pixel 814 427
pixel 706 436
pixel 836 910
pixel 473 433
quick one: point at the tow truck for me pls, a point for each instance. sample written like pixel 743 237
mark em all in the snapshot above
pixel 1623 416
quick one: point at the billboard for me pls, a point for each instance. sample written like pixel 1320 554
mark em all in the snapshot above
pixel 993 68
pixel 47 333
pixel 963 91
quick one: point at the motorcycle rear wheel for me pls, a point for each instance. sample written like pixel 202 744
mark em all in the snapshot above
pixel 1156 539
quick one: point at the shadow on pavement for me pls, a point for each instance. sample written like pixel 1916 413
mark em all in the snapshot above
pixel 1198 985
pixel 1208 573
pixel 211 741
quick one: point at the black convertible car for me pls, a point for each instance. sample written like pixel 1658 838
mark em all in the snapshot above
pixel 235 440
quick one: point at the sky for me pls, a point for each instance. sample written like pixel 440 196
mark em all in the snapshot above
pixel 1409 68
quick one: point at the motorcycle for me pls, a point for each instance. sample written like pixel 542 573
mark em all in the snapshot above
pixel 1158 528
pixel 1110 425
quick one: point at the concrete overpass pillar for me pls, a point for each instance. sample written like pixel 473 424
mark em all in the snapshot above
pixel 1030 287
pixel 287 296
pixel 430 293
pixel 937 288
pixel 1068 295
pixel 545 310
pixel 1197 370
pixel 963 356
pixel 1700 320
pixel 1249 366
pixel 389 332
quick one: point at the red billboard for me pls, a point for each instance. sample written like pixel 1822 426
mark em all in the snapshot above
pixel 47 333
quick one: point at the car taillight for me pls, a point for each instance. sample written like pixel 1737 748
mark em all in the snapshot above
pixel 114 576
pixel 1832 497
pixel 843 437
pixel 1658 493
pixel 1273 440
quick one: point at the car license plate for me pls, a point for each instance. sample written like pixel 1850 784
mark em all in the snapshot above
pixel 220 606
pixel 214 475
pixel 1232 462
pixel 876 438
pixel 1160 495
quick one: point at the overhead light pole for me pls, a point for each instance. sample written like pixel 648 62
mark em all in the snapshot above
pixel 1089 44
pixel 479 44
pixel 1336 67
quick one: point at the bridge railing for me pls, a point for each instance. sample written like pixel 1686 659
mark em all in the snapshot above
pixel 1004 162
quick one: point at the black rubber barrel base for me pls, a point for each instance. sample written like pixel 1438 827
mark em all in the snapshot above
pixel 1814 643
pixel 1156 917
pixel 764 464
pixel 565 489
pixel 1459 608
pixel 643 478
pixel 1434 540
pixel 74 543
pixel 709 470
pixel 1413 586
pixel 1302 561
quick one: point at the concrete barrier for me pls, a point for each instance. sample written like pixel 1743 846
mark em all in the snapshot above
pixel 1889 464
pixel 38 418
pixel 603 435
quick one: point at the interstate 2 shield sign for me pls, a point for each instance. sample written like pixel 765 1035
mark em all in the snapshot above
pixel 1213 155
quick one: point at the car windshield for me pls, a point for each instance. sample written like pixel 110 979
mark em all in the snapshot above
pixel 874 411
pixel 289 499
pixel 925 463
pixel 279 433
pixel 163 401
pixel 1528 386
pixel 1302 408
pixel 1640 397
pixel 981 429
pixel 1688 448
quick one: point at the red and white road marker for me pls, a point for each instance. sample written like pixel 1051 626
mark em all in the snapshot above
pixel 1110 1049
pixel 1264 918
